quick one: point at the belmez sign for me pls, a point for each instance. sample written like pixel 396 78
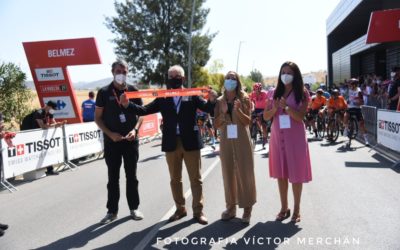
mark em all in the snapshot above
pixel 48 61
pixel 83 139
pixel 33 150
pixel 389 129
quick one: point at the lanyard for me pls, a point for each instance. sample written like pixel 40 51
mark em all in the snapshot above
pixel 178 105
pixel 116 98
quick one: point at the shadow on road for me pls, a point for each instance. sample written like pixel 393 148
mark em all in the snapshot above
pixel 151 158
pixel 268 235
pixel 81 238
pixel 382 163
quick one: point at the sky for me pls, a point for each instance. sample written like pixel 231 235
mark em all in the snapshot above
pixel 268 32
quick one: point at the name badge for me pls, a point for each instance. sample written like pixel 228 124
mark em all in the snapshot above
pixel 185 98
pixel 122 118
pixel 232 131
pixel 284 121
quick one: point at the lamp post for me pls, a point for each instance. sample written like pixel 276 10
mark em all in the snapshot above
pixel 237 62
pixel 190 46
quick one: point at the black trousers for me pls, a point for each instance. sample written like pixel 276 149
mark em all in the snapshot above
pixel 114 152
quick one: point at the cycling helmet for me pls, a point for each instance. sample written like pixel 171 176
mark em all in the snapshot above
pixel 257 86
pixel 320 91
pixel 335 92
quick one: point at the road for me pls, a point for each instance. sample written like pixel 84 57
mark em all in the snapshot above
pixel 352 203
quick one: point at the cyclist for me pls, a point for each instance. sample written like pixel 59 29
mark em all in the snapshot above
pixel 336 103
pixel 354 108
pixel 259 98
pixel 315 108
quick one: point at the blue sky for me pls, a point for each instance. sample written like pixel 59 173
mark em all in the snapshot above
pixel 272 32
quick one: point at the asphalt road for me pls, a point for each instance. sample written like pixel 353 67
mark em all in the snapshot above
pixel 352 203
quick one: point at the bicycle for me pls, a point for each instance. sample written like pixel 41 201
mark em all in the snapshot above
pixel 334 126
pixel 254 129
pixel 352 128
pixel 321 124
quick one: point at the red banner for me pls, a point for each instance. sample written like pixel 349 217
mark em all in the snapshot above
pixel 48 61
pixel 156 93
pixel 384 26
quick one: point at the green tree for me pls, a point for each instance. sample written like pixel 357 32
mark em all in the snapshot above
pixel 216 66
pixel 247 83
pixel 256 76
pixel 153 35
pixel 14 95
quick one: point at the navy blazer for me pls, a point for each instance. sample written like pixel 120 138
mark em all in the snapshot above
pixel 186 118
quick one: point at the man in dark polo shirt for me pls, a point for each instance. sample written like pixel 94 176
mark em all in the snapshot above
pixel 120 130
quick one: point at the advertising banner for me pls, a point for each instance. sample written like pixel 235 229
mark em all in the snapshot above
pixel 48 61
pixel 150 126
pixel 384 26
pixel 33 150
pixel 83 139
pixel 389 129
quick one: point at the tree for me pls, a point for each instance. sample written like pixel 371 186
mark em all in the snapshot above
pixel 256 76
pixel 153 35
pixel 14 95
pixel 216 66
pixel 247 83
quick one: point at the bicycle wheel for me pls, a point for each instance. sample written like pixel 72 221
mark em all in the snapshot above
pixel 332 130
pixel 321 127
pixel 253 133
pixel 353 128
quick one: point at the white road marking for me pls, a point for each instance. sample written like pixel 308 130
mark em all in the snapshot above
pixel 153 232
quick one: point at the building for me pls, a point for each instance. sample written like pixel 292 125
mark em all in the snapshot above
pixel 348 53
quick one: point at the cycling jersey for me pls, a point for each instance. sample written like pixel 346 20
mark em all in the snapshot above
pixel 354 98
pixel 338 103
pixel 260 100
pixel 317 102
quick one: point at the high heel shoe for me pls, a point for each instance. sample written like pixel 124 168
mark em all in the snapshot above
pixel 283 215
pixel 246 215
pixel 295 218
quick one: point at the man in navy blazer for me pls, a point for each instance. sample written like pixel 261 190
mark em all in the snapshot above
pixel 181 141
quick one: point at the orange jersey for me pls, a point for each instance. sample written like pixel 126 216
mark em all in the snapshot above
pixel 339 104
pixel 317 102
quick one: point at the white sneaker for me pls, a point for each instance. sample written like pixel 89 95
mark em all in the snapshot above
pixel 345 132
pixel 108 218
pixel 136 215
pixel 366 140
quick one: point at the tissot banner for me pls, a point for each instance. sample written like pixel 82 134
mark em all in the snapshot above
pixel 83 139
pixel 389 129
pixel 48 61
pixel 33 150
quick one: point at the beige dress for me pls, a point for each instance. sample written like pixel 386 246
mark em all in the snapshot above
pixel 236 156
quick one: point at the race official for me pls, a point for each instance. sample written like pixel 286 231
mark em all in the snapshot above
pixel 120 130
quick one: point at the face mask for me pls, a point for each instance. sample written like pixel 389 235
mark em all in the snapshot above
pixel 378 81
pixel 230 84
pixel 120 78
pixel 51 111
pixel 392 74
pixel 174 83
pixel 286 78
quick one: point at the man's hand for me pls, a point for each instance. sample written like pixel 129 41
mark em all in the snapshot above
pixel 115 137
pixel 131 135
pixel 123 99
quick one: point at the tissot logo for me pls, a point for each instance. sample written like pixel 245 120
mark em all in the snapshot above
pixel 33 147
pixel 49 74
pixel 393 127
pixel 84 136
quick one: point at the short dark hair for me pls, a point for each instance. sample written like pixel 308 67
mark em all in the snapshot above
pixel 119 62
pixel 91 94
pixel 52 104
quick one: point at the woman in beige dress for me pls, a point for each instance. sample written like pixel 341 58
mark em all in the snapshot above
pixel 232 118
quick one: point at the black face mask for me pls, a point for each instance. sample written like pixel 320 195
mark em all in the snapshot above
pixel 174 83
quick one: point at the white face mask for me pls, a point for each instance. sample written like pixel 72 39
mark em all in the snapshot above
pixel 286 78
pixel 392 74
pixel 120 79
pixel 51 111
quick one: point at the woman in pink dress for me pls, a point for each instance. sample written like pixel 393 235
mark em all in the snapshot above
pixel 289 158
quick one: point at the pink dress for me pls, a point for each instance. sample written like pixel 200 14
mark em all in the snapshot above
pixel 289 156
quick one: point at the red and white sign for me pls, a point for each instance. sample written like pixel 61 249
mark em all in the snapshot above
pixel 48 61
pixel 384 26
pixel 150 126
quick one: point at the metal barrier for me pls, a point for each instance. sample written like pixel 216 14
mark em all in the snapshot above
pixel 370 120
